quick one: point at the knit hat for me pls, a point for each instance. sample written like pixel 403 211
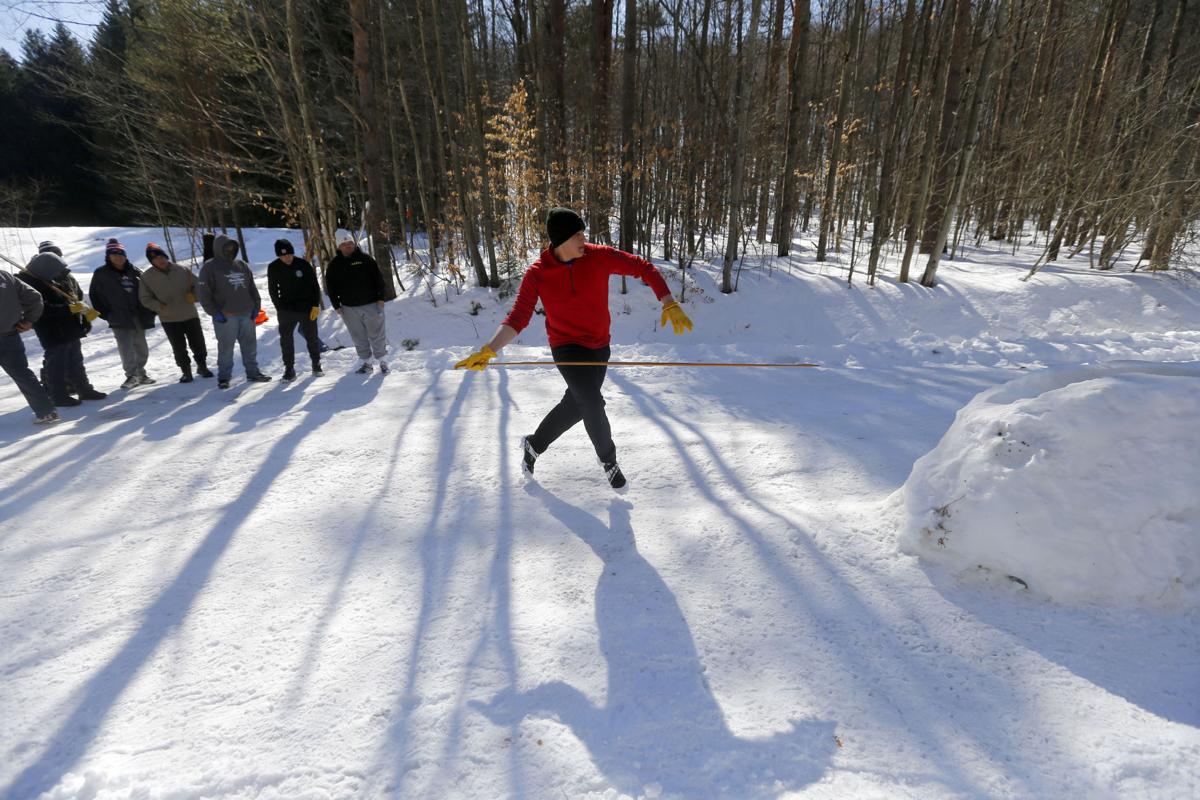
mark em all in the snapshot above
pixel 50 247
pixel 284 248
pixel 562 224
pixel 153 250
pixel 114 247
pixel 344 236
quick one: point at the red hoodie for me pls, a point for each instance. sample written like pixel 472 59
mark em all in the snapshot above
pixel 575 295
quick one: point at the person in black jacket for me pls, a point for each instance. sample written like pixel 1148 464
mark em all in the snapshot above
pixel 292 284
pixel 62 325
pixel 114 293
pixel 356 291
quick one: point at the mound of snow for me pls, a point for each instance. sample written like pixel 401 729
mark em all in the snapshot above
pixel 1084 484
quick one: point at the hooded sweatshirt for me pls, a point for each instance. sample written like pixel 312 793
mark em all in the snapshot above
pixel 48 274
pixel 227 286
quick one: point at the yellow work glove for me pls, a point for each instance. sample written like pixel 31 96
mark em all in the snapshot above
pixel 679 320
pixel 90 314
pixel 76 307
pixel 312 315
pixel 477 360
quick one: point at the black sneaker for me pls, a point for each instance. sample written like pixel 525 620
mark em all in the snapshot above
pixel 203 371
pixel 616 478
pixel 145 380
pixel 64 400
pixel 317 371
pixel 529 455
pixel 186 377
pixel 91 394
pixel 223 384
pixel 258 378
pixel 289 374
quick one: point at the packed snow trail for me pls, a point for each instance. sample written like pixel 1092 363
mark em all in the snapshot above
pixel 344 586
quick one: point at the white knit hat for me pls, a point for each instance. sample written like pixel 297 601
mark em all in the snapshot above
pixel 344 236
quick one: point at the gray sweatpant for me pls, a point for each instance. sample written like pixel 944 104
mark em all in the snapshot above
pixel 131 344
pixel 365 324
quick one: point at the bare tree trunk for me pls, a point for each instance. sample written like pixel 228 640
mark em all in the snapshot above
pixel 972 137
pixel 846 90
pixel 737 193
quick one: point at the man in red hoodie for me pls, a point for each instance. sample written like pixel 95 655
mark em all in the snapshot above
pixel 571 279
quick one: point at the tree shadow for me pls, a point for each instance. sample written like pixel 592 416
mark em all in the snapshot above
pixel 167 613
pixel 660 724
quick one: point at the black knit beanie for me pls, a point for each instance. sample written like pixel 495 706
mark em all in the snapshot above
pixel 284 248
pixel 562 224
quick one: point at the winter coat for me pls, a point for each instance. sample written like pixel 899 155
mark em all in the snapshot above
pixel 225 286
pixel 114 293
pixel 293 288
pixel 58 325
pixel 575 295
pixel 18 303
pixel 353 280
pixel 167 292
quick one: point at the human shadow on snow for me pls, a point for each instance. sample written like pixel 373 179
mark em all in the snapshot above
pixel 83 718
pixel 660 723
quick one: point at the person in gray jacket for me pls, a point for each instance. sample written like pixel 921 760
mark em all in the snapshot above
pixel 170 290
pixel 114 293
pixel 20 307
pixel 227 293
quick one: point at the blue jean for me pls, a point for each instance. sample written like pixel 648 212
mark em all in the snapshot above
pixel 236 328
pixel 15 363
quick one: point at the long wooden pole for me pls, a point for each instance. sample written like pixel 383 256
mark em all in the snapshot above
pixel 640 364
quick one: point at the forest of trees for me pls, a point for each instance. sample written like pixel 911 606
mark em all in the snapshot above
pixel 893 132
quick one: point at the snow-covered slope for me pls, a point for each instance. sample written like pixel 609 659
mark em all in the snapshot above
pixel 344 588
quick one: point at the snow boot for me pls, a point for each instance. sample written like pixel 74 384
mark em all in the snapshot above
pixel 186 377
pixel 616 478
pixel 317 371
pixel 203 371
pixel 289 373
pixel 258 377
pixel 365 368
pixel 223 383
pixel 64 400
pixel 90 393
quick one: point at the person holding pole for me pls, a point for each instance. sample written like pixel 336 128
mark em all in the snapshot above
pixel 571 279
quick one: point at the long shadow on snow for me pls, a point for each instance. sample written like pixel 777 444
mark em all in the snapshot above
pixel 661 723
pixel 439 549
pixel 1149 658
pixel 68 744
pixel 822 589
pixel 333 601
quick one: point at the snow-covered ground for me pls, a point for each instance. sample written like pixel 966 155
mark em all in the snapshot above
pixel 344 587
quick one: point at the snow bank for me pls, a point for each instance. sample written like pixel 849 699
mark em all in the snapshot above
pixel 1084 484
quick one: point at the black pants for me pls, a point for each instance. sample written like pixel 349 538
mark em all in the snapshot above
pixel 582 401
pixel 288 320
pixel 63 363
pixel 186 334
